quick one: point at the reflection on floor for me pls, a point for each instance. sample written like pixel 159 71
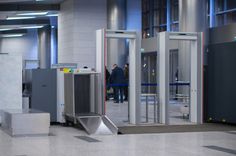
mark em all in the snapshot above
pixel 65 141
pixel 118 113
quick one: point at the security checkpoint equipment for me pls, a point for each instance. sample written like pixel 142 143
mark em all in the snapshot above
pixel 196 74
pixel 134 41
pixel 81 99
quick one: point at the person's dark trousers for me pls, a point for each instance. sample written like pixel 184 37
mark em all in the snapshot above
pixel 121 91
pixel 118 94
pixel 107 89
pixel 126 92
pixel 115 94
pixel 176 92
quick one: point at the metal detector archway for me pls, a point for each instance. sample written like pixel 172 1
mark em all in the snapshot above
pixel 196 76
pixel 134 72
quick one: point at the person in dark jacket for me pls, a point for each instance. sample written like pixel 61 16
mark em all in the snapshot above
pixel 126 73
pixel 108 75
pixel 117 79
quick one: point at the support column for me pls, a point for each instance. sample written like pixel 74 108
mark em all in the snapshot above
pixel 192 18
pixel 168 18
pixel 44 47
pixel 54 46
pixel 212 13
pixel 116 48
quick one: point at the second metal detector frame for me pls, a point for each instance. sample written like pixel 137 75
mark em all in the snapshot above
pixel 196 80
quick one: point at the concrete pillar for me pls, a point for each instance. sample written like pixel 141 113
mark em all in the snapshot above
pixel 54 46
pixel 78 21
pixel 192 18
pixel 192 15
pixel 116 20
pixel 44 47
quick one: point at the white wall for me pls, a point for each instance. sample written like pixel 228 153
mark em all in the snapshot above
pixel 11 67
pixel 10 81
pixel 26 45
pixel 77 23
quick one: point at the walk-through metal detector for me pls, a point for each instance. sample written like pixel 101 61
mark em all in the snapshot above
pixel 134 69
pixel 196 80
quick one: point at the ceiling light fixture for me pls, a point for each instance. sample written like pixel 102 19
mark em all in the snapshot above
pixel 52 15
pixel 33 14
pixel 33 27
pixel 4 29
pixel 12 35
pixel 18 18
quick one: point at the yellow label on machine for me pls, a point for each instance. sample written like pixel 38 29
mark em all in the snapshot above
pixel 67 70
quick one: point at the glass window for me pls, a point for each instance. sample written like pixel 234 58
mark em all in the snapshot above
pixel 225 12
pixel 154 16
pixel 231 4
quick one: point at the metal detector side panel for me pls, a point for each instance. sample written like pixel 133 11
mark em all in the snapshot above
pixel 98 125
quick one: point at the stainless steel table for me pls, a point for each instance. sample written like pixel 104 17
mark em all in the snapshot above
pixel 25 122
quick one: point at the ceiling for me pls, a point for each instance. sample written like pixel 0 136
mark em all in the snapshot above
pixel 5 14
pixel 16 8
pixel 31 1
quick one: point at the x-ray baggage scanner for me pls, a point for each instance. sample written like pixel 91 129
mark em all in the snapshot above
pixel 81 101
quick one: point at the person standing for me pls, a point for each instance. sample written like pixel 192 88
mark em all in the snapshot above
pixel 176 82
pixel 107 82
pixel 126 73
pixel 118 79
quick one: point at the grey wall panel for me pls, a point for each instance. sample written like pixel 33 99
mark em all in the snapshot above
pixel 223 34
pixel 26 45
pixel 151 44
pixel 221 82
pixel 44 91
pixel 10 81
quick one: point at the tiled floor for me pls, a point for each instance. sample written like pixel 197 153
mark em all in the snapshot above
pixel 64 143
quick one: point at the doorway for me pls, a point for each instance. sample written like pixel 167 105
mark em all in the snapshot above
pixel 149 105
pixel 134 84
pixel 190 89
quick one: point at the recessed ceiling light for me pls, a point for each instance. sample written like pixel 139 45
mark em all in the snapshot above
pixel 52 15
pixel 32 27
pixel 18 18
pixel 12 35
pixel 4 29
pixel 33 14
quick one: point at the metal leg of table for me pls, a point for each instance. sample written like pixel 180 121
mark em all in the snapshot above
pixel 158 109
pixel 128 112
pixel 155 110
pixel 146 108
